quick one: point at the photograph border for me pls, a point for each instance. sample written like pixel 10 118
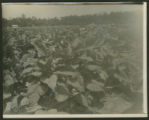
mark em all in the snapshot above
pixel 145 65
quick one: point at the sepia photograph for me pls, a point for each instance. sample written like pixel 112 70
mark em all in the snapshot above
pixel 74 60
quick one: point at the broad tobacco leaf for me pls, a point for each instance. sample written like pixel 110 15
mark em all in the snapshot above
pixel 62 88
pixel 52 111
pixel 77 82
pixel 77 85
pixel 8 80
pixel 9 77
pixel 87 58
pixel 42 62
pixel 39 47
pixel 37 73
pixel 24 59
pixel 95 86
pixel 122 77
pixel 66 73
pixel 30 61
pixel 33 95
pixel 103 75
pixel 24 101
pixel 62 92
pixel 33 98
pixel 14 103
pixel 12 106
pixel 31 88
pixel 29 70
pixel 84 101
pixel 114 104
pixel 93 67
pixel 40 111
pixel 61 97
pixel 33 109
pixel 40 90
pixel 8 107
pixel 51 82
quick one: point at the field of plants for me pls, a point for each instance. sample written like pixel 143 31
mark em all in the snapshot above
pixel 72 69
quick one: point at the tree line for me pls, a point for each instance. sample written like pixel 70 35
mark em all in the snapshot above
pixel 105 18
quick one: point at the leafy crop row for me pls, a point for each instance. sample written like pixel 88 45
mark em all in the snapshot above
pixel 72 70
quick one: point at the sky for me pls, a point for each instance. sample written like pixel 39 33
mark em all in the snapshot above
pixel 52 10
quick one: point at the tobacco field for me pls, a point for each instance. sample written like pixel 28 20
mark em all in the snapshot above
pixel 72 69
